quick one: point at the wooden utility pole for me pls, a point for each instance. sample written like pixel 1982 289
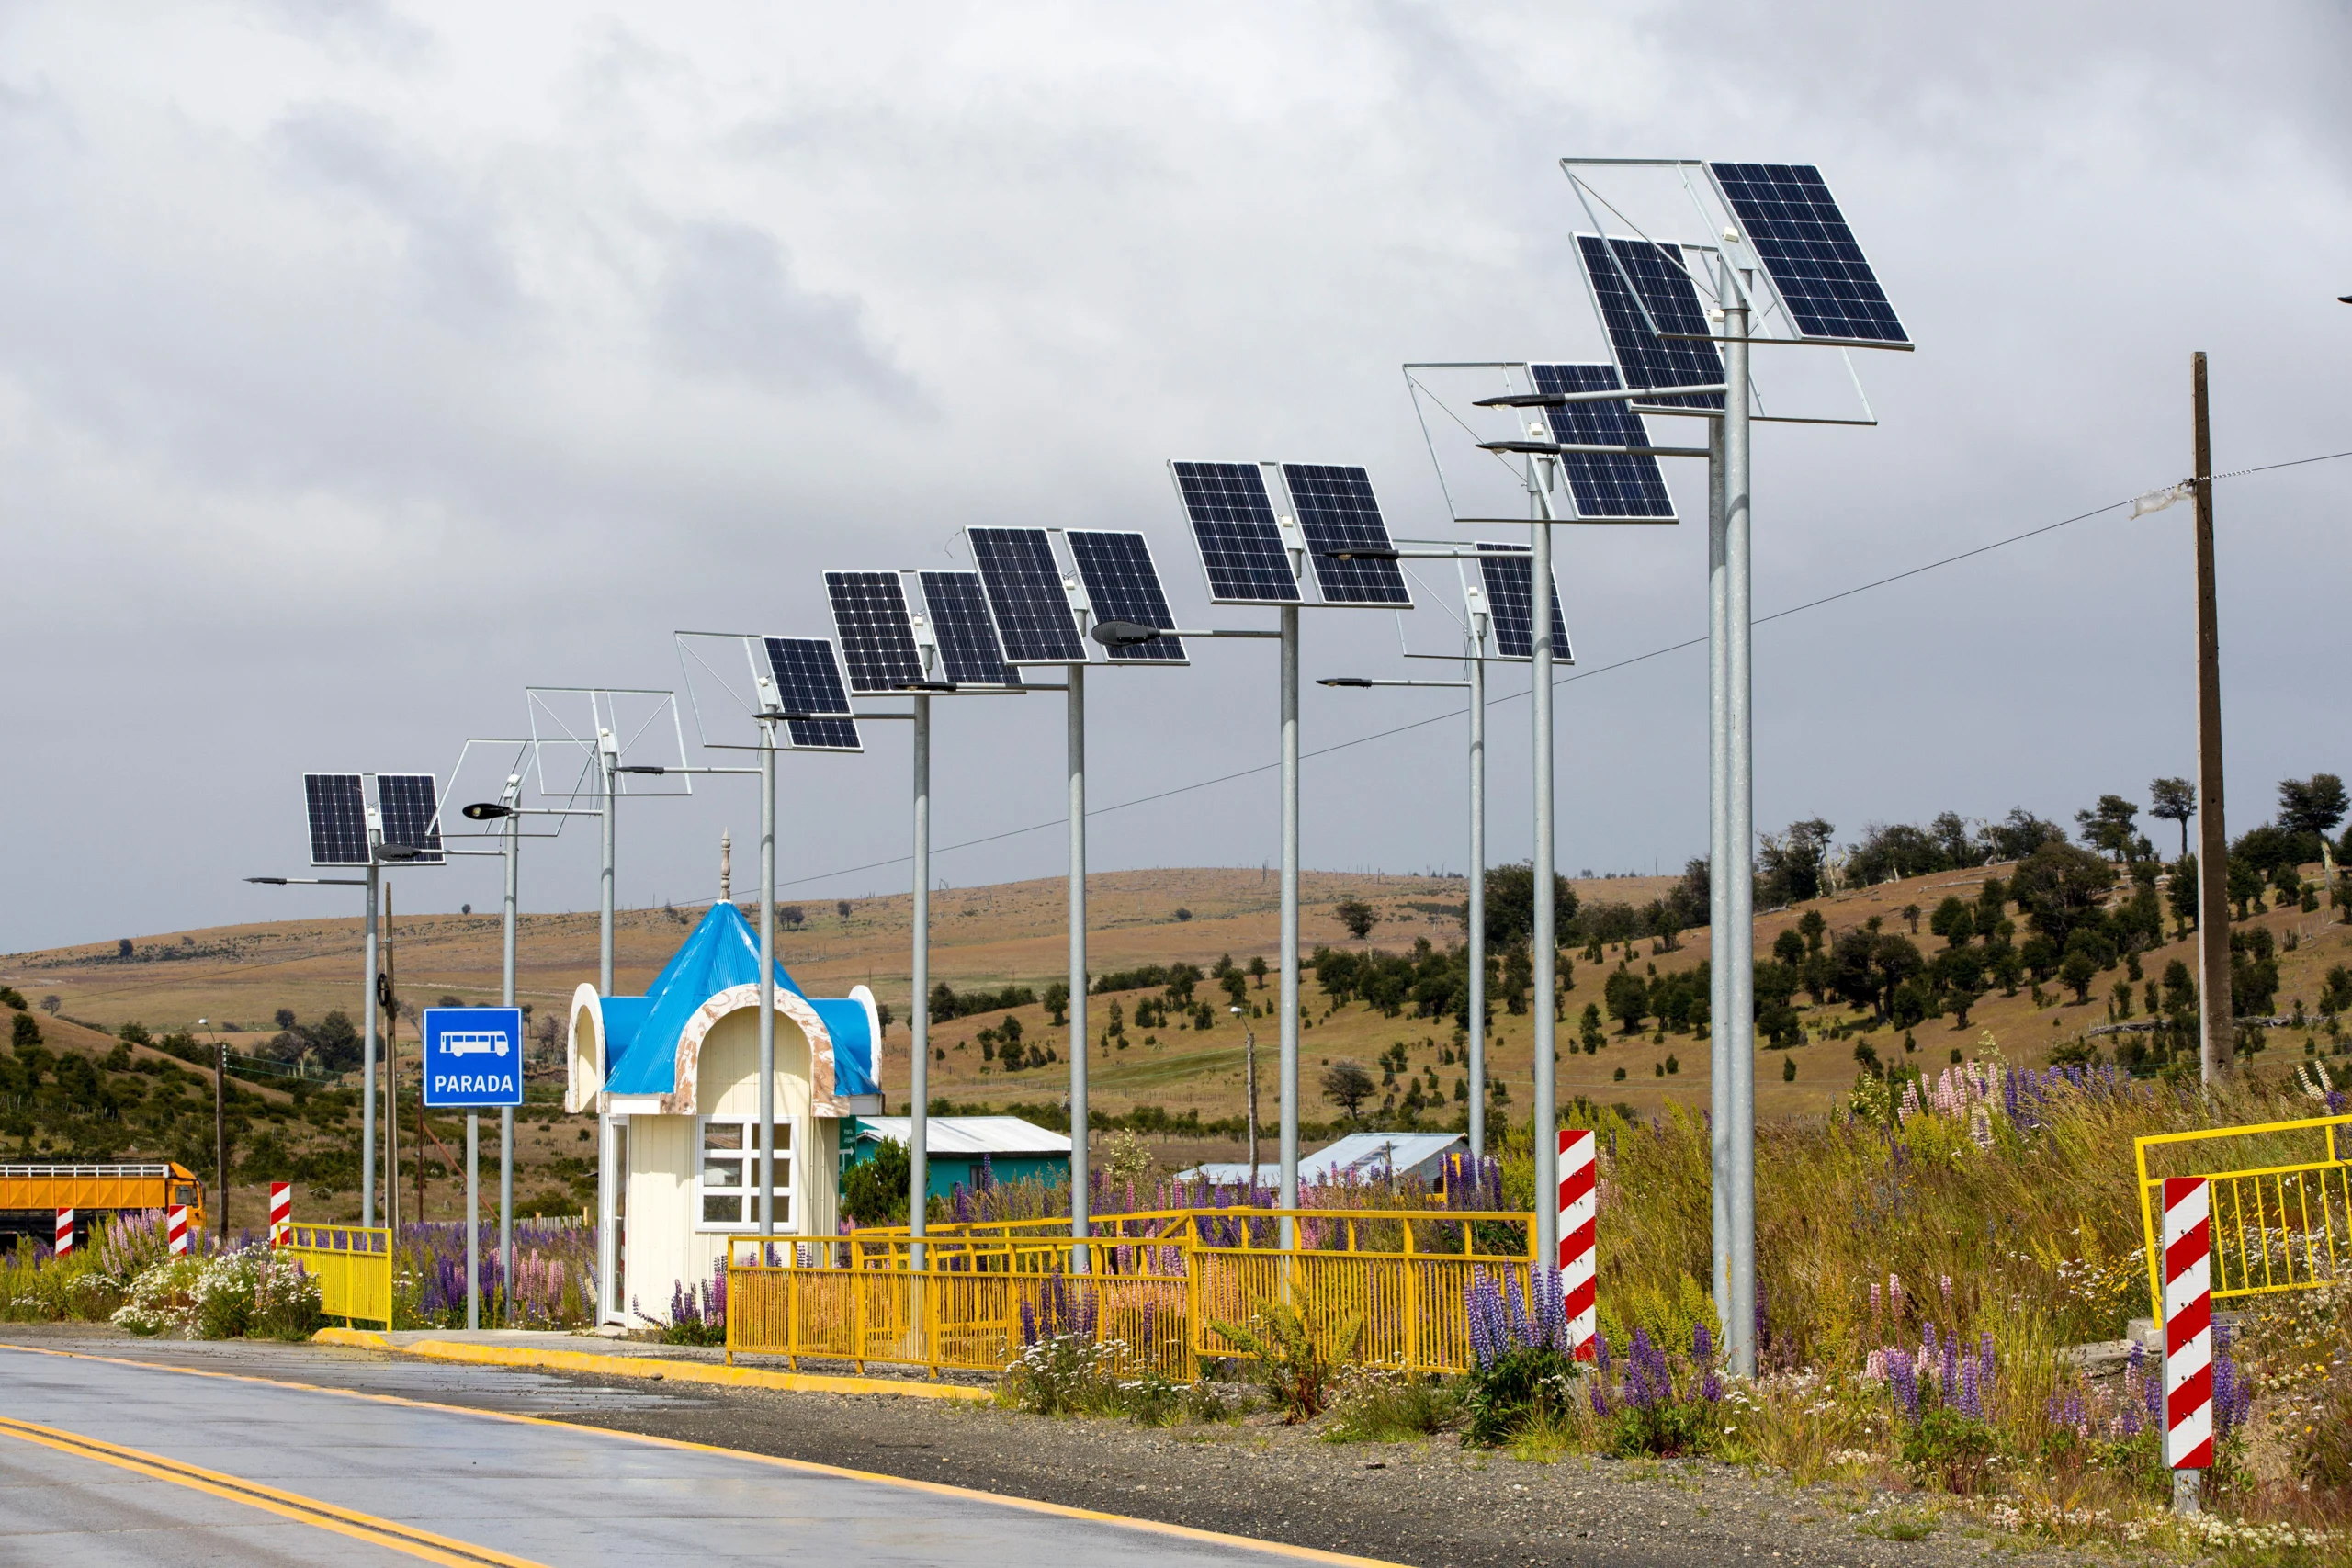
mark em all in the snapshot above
pixel 220 1128
pixel 2216 1041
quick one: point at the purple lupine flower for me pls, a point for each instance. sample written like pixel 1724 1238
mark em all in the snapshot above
pixel 1928 1343
pixel 1640 1392
pixel 1518 1317
pixel 1601 1353
pixel 1028 1322
pixel 1970 1405
pixel 1600 1399
pixel 1905 1381
pixel 1949 1378
pixel 1711 1387
pixel 1702 1345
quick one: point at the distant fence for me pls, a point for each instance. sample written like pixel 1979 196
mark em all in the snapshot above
pixel 2281 1203
pixel 1384 1288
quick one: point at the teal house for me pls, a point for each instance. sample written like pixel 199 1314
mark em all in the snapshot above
pixel 1015 1150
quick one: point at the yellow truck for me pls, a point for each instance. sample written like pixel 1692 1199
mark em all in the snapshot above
pixel 30 1195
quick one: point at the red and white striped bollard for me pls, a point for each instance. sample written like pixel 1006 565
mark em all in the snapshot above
pixel 64 1232
pixel 281 1213
pixel 175 1229
pixel 1579 1216
pixel 2189 1335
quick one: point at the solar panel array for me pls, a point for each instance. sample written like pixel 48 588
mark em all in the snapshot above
pixel 337 805
pixel 1605 484
pixel 958 607
pixel 1024 589
pixel 1510 598
pixel 1801 239
pixel 407 805
pixel 1336 510
pixel 808 681
pixel 1233 523
pixel 877 638
pixel 1124 586
pixel 1646 358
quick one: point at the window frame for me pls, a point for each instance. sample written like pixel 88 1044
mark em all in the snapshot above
pixel 787 1188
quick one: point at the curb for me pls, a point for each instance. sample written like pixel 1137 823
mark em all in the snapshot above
pixel 648 1367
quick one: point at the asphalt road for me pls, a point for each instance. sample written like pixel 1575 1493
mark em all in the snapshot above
pixel 110 1462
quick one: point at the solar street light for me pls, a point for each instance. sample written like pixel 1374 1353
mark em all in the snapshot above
pixel 939 642
pixel 1253 554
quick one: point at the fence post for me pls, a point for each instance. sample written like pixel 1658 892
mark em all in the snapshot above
pixel 281 1213
pixel 2189 1336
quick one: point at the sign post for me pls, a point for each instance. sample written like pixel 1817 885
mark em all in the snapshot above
pixel 473 1059
pixel 2189 1336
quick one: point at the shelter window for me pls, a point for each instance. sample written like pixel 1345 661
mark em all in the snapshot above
pixel 727 1187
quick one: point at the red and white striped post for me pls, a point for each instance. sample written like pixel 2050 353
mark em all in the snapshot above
pixel 2189 1335
pixel 64 1232
pixel 281 1213
pixel 1579 1216
pixel 175 1229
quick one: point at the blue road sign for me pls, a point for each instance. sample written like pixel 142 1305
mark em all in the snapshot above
pixel 473 1056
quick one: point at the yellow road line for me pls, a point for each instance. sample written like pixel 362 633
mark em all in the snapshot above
pixel 665 1368
pixel 269 1499
pixel 804 1467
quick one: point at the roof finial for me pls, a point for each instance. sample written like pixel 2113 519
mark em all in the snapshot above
pixel 726 867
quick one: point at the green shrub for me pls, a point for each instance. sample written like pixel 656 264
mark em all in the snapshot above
pixel 162 1299
pixel 1665 1430
pixel 1375 1406
pixel 1949 1449
pixel 1064 1374
pixel 1296 1361
pixel 1524 1383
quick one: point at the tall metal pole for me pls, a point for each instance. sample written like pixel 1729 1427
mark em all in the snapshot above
pixel 1547 1118
pixel 473 1218
pixel 1478 899
pixel 919 1009
pixel 767 986
pixel 1739 939
pixel 607 1139
pixel 1719 1056
pixel 1079 1190
pixel 368 1043
pixel 220 1131
pixel 2216 1042
pixel 1289 1063
pixel 506 1112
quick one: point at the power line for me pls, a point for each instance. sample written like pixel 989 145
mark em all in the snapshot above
pixel 1564 680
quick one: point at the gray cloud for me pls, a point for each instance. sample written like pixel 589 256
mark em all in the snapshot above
pixel 729 304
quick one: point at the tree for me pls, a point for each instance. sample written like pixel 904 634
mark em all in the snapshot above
pixel 2107 827
pixel 1057 1002
pixel 1813 928
pixel 1258 970
pixel 2077 972
pixel 1911 917
pixel 1510 904
pixel 1347 1085
pixel 1792 861
pixel 793 916
pixel 1357 915
pixel 27 1032
pixel 2020 833
pixel 284 1018
pixel 1627 997
pixel 1789 948
pixel 123 947
pixel 1959 847
pixel 2173 800
pixel 1237 985
pixel 841 909
pixel 2313 805
pixel 1954 922
pixel 1893 851
pixel 875 1190
pixel 2061 887
pixel 1788 1070
pixel 2181 893
pixel 50 1003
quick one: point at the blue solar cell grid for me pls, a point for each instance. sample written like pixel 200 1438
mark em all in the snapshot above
pixel 407 806
pixel 338 815
pixel 877 638
pixel 823 735
pixel 1336 510
pixel 1024 589
pixel 1647 359
pixel 807 680
pixel 1803 240
pixel 1510 599
pixel 1123 585
pixel 958 608
pixel 1233 525
pixel 1605 484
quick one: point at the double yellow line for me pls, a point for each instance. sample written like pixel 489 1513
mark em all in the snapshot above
pixel 269 1499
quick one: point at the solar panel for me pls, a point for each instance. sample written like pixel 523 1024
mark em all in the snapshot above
pixel 877 638
pixel 1803 240
pixel 808 681
pixel 1124 586
pixel 1232 523
pixel 338 812
pixel 1605 484
pixel 1336 510
pixel 1646 358
pixel 408 806
pixel 1510 598
pixel 1024 589
pixel 958 607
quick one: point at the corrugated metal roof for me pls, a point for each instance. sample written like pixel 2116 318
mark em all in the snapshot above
pixel 1366 1157
pixel 969 1136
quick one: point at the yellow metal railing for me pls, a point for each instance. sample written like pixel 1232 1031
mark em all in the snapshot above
pixel 353 1265
pixel 1159 1289
pixel 2279 1223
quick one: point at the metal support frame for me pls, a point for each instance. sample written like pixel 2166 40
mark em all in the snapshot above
pixel 918 1007
pixel 506 1112
pixel 1080 1221
pixel 1719 858
pixel 767 986
pixel 608 1130
pixel 367 1039
pixel 1740 826
pixel 1547 1118
pixel 1287 1146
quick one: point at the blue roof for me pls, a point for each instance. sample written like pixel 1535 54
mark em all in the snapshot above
pixel 641 1033
pixel 853 1051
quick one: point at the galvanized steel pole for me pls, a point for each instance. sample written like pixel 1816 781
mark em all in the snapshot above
pixel 767 986
pixel 1547 1152
pixel 473 1215
pixel 608 1134
pixel 1740 952
pixel 1288 1148
pixel 1079 1190
pixel 919 1009
pixel 1479 903
pixel 1719 1055
pixel 367 1095
pixel 506 1112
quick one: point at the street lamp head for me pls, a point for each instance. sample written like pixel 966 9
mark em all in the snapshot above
pixel 269 880
pixel 486 811
pixel 1352 681
pixel 1365 552
pixel 398 852
pixel 1123 634
pixel 642 768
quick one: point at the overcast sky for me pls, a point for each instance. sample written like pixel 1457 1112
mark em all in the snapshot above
pixel 362 364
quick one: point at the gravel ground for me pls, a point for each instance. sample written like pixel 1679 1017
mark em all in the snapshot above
pixel 1425 1503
